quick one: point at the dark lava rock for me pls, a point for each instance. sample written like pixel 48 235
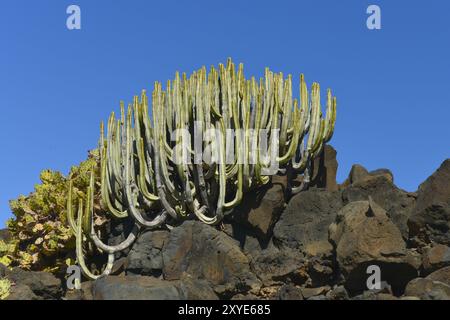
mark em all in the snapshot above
pixel 369 295
pixel 434 258
pixel 22 292
pixel 43 284
pixel 304 223
pixel 435 189
pixel 289 292
pixel 324 170
pixel 275 266
pixel 397 203
pixel 441 275
pixel 203 252
pixel 338 293
pixel 308 293
pixel 117 231
pixel 427 289
pixel 430 220
pixel 302 235
pixel 261 208
pixel 149 288
pixel 84 293
pixel 364 235
pixel 145 257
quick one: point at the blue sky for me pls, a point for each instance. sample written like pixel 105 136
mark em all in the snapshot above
pixel 57 85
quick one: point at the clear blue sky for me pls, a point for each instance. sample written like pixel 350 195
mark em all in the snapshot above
pixel 56 85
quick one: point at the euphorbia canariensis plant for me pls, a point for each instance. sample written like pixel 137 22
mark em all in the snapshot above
pixel 211 137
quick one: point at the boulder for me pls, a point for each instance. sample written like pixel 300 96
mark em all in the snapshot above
pixel 324 170
pixel 370 295
pixel 84 293
pixel 275 266
pixel 203 252
pixel 302 232
pixel 363 235
pixel 117 230
pixel 436 189
pixel 307 293
pixel 149 288
pixel 427 289
pixel 430 219
pixel 145 257
pixel 261 208
pixel 22 292
pixel 434 258
pixel 338 293
pixel 397 203
pixel 43 284
pixel 304 223
pixel 289 292
pixel 359 174
pixel 441 275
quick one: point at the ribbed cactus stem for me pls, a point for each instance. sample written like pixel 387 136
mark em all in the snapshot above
pixel 149 166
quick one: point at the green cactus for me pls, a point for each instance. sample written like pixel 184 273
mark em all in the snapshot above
pixel 152 171
pixel 5 287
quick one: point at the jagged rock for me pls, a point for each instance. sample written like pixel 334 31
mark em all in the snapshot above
pixel 276 266
pixel 304 223
pixel 22 292
pixel 117 230
pixel 370 295
pixel 145 257
pixel 43 284
pixel 84 293
pixel 436 257
pixel 427 289
pixel 363 235
pixel 289 292
pixel 320 297
pixel 324 170
pixel 307 293
pixel 262 208
pixel 441 275
pixel 359 174
pixel 249 296
pixel 203 252
pixel 431 225
pixel 430 220
pixel 248 241
pixel 302 232
pixel 409 298
pixel 397 203
pixel 320 269
pixel 149 288
pixel 338 293
pixel 435 189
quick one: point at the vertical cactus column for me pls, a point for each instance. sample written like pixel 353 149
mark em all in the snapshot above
pixel 153 173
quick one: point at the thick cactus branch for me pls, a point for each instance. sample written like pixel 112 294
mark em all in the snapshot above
pixel 152 170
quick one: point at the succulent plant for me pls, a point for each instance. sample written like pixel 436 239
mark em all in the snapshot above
pixel 5 286
pixel 40 236
pixel 161 171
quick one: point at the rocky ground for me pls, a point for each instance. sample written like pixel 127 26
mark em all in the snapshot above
pixel 318 246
